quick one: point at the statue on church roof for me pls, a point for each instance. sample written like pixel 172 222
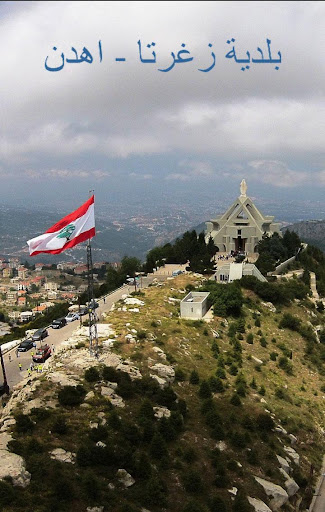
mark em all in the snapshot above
pixel 243 188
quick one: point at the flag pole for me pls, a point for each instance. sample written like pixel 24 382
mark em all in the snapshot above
pixel 93 335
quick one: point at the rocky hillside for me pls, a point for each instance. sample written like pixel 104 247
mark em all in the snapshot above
pixel 175 415
pixel 310 231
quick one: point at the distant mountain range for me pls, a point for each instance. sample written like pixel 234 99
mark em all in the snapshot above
pixel 113 239
pixel 310 231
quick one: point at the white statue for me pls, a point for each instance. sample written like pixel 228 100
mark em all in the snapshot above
pixel 243 188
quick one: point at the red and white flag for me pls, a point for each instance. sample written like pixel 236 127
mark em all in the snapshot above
pixel 73 229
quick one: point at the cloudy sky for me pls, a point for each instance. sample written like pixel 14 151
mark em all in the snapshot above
pixel 124 127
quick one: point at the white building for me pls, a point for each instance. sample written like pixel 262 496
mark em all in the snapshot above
pixel 231 271
pixel 241 227
pixel 195 305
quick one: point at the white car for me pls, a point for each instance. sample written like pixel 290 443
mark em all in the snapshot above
pixel 72 316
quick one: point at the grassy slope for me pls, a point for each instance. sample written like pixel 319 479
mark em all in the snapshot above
pixel 187 345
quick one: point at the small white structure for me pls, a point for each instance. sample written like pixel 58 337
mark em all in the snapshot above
pixel 232 271
pixel 195 305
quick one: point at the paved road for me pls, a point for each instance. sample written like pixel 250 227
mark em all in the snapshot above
pixel 57 336
pixel 318 502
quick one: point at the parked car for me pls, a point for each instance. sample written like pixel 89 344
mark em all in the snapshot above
pixel 83 310
pixel 72 316
pixel 60 322
pixel 42 354
pixel 40 334
pixel 25 345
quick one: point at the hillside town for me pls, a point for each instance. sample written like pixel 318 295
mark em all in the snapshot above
pixel 29 290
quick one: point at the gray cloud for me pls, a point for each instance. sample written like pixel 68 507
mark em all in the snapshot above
pixel 119 111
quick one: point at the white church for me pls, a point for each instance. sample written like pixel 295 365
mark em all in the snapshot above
pixel 241 227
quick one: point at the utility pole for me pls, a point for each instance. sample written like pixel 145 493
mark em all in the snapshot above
pixel 5 383
pixel 93 335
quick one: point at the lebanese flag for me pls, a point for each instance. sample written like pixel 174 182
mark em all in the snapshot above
pixel 73 229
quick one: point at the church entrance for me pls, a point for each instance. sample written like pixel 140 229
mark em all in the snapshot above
pixel 240 244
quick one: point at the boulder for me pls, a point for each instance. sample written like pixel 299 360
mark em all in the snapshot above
pixel 162 382
pixel 4 440
pixel 279 495
pixel 95 509
pixel 62 378
pixel 63 456
pixel 90 396
pixel 128 367
pixel 293 439
pixel 125 478
pixel 258 361
pixel 221 445
pixel 259 505
pixel 159 352
pixel 284 464
pixel 291 486
pixel 13 466
pixel 161 412
pixel 164 371
pixel 292 454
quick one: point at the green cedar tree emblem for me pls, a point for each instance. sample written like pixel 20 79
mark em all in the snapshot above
pixel 66 232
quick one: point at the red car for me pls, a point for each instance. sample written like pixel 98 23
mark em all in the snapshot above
pixel 42 354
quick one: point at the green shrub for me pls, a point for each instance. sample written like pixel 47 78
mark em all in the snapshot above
pixel 291 322
pixel 60 426
pixel 110 374
pixel 192 482
pixel 273 356
pixel 218 432
pixel 125 387
pixel 7 495
pixel 194 377
pixel 253 384
pixel 252 457
pixel 279 393
pixel 71 395
pixel 216 385
pixel 143 467
pixel 180 375
pixel 23 424
pixel 263 342
pixel 166 429
pixel 193 506
pixel 205 391
pixel 92 374
pixel 146 411
pixel 221 373
pixel 241 503
pixel 154 493
pixel 262 391
pixel 215 349
pixel 235 400
pixel 40 414
pixel 99 433
pixel 241 390
pixel 257 322
pixel 217 504
pixel 285 365
pixel 233 370
pixel 265 422
pixel 158 447
pixel 250 338
pixel 190 455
